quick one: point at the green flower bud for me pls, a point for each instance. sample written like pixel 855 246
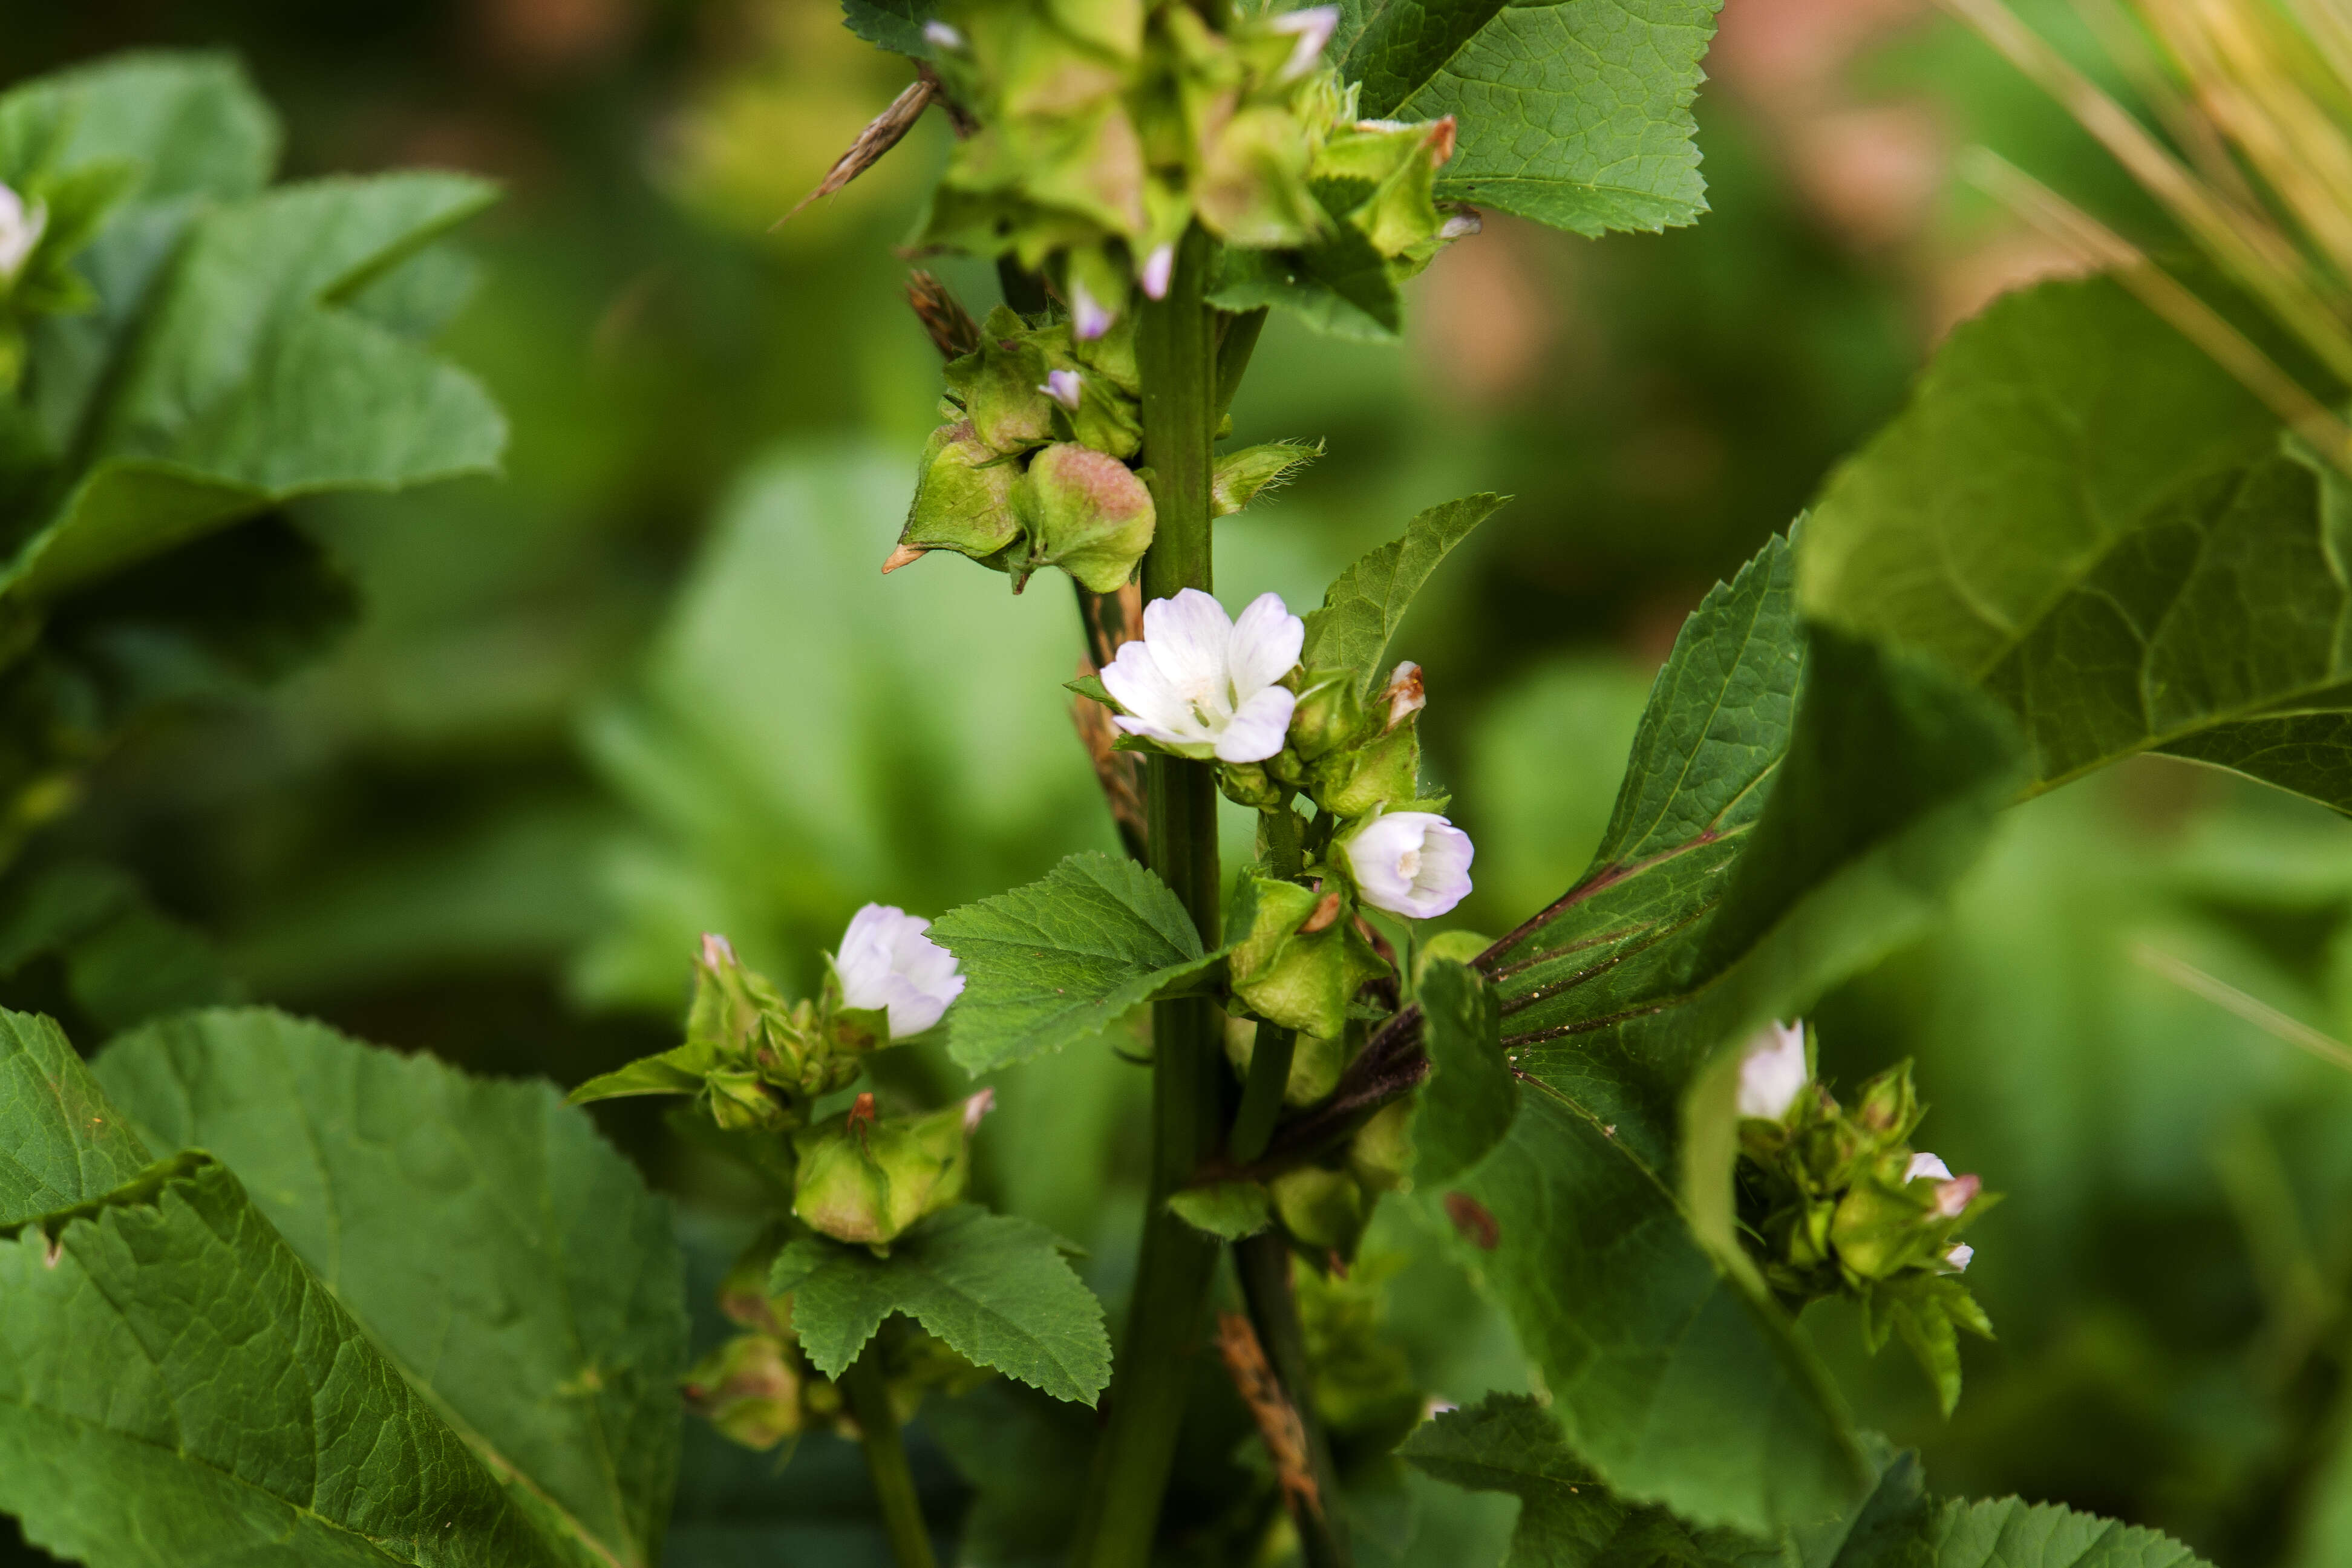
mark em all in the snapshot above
pixel 1324 1211
pixel 1087 514
pixel 1329 716
pixel 1890 1106
pixel 1241 475
pixel 1880 1230
pixel 741 1102
pixel 1000 385
pixel 1246 784
pixel 866 1181
pixel 749 1388
pixel 1303 960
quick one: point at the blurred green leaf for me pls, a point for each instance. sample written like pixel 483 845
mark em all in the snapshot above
pixel 1470 1100
pixel 1365 604
pixel 504 1257
pixel 1575 116
pixel 893 24
pixel 1339 285
pixel 1059 961
pixel 994 1287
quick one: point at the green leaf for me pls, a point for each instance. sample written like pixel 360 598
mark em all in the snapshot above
pixel 247 385
pixel 2013 1533
pixel 60 1142
pixel 1470 1097
pixel 175 1387
pixel 1365 604
pixel 1339 286
pixel 1060 960
pixel 893 24
pixel 994 1287
pixel 1229 1210
pixel 681 1069
pixel 502 1255
pixel 2084 515
pixel 1568 1516
pixel 1575 115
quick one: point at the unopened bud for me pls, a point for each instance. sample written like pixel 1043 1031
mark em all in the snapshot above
pixel 1328 714
pixel 940 35
pixel 1461 223
pixel 1159 271
pixel 865 1181
pixel 22 224
pixel 1403 696
pixel 1957 1256
pixel 1889 1105
pixel 1088 513
pixel 741 1102
pixel 1063 387
pixel 1248 784
pixel 749 1389
pixel 1953 1197
pixel 1926 1165
pixel 1089 318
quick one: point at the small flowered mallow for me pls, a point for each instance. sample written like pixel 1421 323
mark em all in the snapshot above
pixel 888 965
pixel 1772 1071
pixel 1411 863
pixel 1203 685
pixel 22 224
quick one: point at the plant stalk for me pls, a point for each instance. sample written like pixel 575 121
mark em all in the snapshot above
pixel 1262 1261
pixel 886 1459
pixel 1167 1320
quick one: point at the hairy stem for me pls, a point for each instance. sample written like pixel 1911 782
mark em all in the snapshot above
pixel 1262 1261
pixel 886 1459
pixel 1167 1319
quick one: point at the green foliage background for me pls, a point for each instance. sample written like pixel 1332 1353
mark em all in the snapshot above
pixel 650 683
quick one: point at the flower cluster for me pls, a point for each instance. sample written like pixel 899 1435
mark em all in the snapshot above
pixel 1103 128
pixel 757 1066
pixel 1835 1201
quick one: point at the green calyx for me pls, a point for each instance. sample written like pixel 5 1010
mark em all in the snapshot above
pixel 1303 960
pixel 864 1180
pixel 1326 1208
pixel 1088 513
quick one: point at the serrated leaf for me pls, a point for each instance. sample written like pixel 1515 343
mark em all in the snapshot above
pixel 1470 1098
pixel 1339 286
pixel 1060 960
pixel 60 1142
pixel 893 24
pixel 2084 515
pixel 501 1255
pixel 1575 115
pixel 993 1286
pixel 246 386
pixel 1366 603
pixel 175 1387
pixel 2013 1533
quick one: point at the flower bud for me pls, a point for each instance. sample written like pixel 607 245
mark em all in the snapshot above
pixel 1889 1106
pixel 750 1389
pixel 1302 961
pixel 22 224
pixel 1087 514
pixel 1328 714
pixel 940 35
pixel 1382 772
pixel 741 1102
pixel 865 1181
pixel 965 501
pixel 999 386
pixel 1877 1232
pixel 1926 1165
pixel 1772 1069
pixel 887 964
pixel 1411 863
pixel 1958 1256
pixel 1402 697
pixel 1062 386
pixel 1244 475
pixel 1953 1197
pixel 1248 784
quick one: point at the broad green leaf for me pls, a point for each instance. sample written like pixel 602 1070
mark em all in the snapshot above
pixel 247 385
pixel 1576 115
pixel 501 1255
pixel 1060 960
pixel 60 1142
pixel 175 1387
pixel 1365 604
pixel 2012 1533
pixel 994 1287
pixel 2090 519
pixel 893 24
pixel 1471 1097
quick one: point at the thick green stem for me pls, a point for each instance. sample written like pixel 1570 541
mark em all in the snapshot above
pixel 1167 1319
pixel 1269 1075
pixel 1262 1261
pixel 886 1459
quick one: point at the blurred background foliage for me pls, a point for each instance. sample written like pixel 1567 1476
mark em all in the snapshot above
pixel 651 683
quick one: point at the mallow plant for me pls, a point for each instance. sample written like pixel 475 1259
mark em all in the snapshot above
pixel 270 1295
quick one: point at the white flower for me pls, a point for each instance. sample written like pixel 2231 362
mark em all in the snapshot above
pixel 1064 387
pixel 887 964
pixel 1204 686
pixel 1771 1070
pixel 1957 1256
pixel 1313 26
pixel 21 226
pixel 1158 269
pixel 1461 225
pixel 942 36
pixel 1925 1164
pixel 1412 863
pixel 1953 1197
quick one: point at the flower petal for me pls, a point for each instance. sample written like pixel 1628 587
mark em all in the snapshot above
pixel 1266 645
pixel 1187 638
pixel 1258 726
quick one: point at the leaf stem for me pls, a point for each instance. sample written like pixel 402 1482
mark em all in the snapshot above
pixel 1175 350
pixel 1262 1261
pixel 868 1397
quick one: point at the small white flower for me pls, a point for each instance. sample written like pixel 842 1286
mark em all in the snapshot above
pixel 1158 271
pixel 1202 685
pixel 1313 28
pixel 1461 226
pixel 1088 319
pixel 940 35
pixel 1412 863
pixel 1956 1255
pixel 1063 387
pixel 887 964
pixel 21 228
pixel 1771 1071
pixel 1953 1197
pixel 1926 1165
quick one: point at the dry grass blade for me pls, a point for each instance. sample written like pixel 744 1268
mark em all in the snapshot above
pixel 946 323
pixel 1277 1423
pixel 886 130
pixel 2259 1013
